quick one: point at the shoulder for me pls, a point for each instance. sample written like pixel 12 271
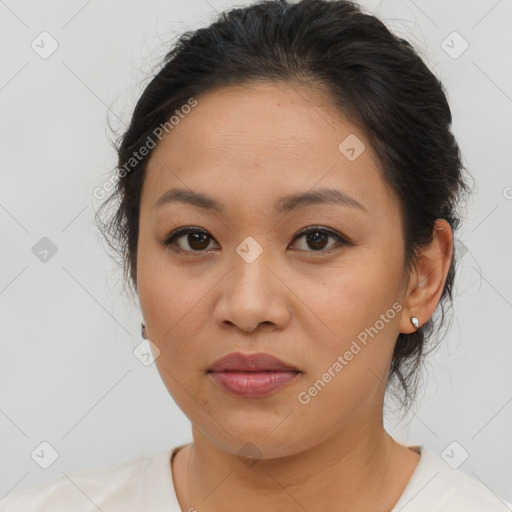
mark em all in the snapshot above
pixel 437 487
pixel 114 487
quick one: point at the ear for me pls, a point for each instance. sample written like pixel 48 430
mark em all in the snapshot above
pixel 428 278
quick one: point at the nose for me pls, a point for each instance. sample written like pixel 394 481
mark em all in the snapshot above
pixel 252 294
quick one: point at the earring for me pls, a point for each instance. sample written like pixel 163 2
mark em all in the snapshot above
pixel 143 330
pixel 415 322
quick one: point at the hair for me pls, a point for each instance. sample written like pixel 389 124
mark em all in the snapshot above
pixel 375 78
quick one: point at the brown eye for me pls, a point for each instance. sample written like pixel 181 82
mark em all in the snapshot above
pixel 195 240
pixel 189 239
pixel 317 239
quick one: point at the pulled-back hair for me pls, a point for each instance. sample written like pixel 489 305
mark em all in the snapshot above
pixel 375 78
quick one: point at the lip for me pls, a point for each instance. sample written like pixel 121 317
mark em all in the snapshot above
pixel 252 375
pixel 259 362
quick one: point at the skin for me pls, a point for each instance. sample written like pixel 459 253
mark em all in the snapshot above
pixel 247 146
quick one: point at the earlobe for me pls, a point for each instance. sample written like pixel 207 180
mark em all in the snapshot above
pixel 429 277
pixel 415 322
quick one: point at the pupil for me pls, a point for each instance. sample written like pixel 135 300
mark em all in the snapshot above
pixel 317 238
pixel 197 237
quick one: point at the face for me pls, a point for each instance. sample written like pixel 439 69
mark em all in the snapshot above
pixel 247 278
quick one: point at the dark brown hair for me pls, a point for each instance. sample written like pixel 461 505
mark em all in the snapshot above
pixel 377 80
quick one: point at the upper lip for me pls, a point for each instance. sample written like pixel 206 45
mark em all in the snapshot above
pixel 250 362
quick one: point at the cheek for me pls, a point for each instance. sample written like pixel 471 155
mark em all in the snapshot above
pixel 162 295
pixel 161 288
pixel 354 297
pixel 174 304
pixel 358 314
pixel 349 365
pixel 172 311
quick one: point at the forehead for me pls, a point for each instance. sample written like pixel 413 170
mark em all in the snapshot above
pixel 264 136
pixel 275 118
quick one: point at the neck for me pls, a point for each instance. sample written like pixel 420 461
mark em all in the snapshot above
pixel 355 469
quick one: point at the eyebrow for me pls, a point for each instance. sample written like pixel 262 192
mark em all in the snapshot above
pixel 282 205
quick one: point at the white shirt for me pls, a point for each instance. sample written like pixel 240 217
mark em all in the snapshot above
pixel 145 484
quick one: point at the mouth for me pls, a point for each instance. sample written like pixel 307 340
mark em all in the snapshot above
pixel 252 375
pixel 260 362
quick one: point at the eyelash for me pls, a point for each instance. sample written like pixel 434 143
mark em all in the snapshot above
pixel 178 233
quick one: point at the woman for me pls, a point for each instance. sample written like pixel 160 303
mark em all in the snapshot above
pixel 287 200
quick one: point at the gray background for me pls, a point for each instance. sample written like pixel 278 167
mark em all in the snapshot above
pixel 68 375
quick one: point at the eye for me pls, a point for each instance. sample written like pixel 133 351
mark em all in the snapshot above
pixel 317 238
pixel 197 239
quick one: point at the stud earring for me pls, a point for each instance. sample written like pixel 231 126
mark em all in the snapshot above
pixel 415 322
pixel 143 330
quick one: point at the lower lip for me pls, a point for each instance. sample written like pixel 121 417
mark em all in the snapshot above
pixel 253 384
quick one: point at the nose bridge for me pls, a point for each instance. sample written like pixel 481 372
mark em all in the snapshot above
pixel 250 278
pixel 251 295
